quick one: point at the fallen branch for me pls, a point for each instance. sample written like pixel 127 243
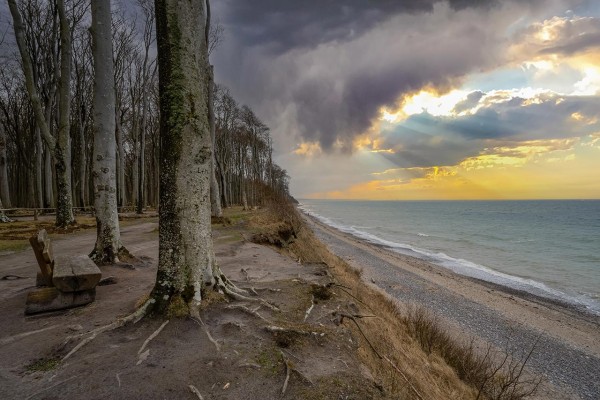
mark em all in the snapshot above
pixel 155 334
pixel 194 390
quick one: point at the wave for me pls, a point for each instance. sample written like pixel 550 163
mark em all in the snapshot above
pixel 422 234
pixel 465 267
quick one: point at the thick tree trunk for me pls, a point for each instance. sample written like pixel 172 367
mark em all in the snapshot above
pixel 108 240
pixel 4 190
pixel 187 264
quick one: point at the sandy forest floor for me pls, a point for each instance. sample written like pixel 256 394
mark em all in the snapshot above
pixel 331 337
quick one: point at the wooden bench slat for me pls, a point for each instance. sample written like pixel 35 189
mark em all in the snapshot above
pixel 76 274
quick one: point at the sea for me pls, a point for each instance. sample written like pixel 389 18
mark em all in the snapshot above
pixel 550 248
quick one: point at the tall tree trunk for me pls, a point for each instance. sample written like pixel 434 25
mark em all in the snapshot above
pixel 186 261
pixel 108 246
pixel 4 190
pixel 215 196
pixel 39 153
pixel 82 166
pixel 64 205
pixel 48 182
pixel 122 195
pixel 142 158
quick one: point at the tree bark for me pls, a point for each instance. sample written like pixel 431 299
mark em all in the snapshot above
pixel 108 239
pixel 3 217
pixel 62 158
pixel 215 196
pixel 39 188
pixel 4 190
pixel 187 264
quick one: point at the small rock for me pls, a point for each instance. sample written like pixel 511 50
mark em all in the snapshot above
pixel 75 328
pixel 111 280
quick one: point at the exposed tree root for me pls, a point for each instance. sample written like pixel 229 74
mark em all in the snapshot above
pixel 199 321
pixel 134 317
pixel 312 305
pixel 288 369
pixel 52 387
pixel 195 391
pixel 279 329
pixel 343 288
pixel 240 297
pixel 353 318
pixel 11 339
pixel 249 311
pixel 154 334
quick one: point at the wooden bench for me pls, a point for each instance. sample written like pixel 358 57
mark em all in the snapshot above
pixel 69 284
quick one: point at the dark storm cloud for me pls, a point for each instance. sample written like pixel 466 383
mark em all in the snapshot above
pixel 283 25
pixel 425 140
pixel 321 71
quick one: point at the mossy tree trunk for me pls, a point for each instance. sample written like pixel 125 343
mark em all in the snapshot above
pixel 187 265
pixel 108 240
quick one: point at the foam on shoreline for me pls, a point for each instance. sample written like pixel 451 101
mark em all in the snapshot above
pixel 467 268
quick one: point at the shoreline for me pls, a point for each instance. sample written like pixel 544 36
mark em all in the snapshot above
pixel 472 307
pixel 544 270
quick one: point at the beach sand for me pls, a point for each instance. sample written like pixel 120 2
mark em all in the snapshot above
pixel 567 353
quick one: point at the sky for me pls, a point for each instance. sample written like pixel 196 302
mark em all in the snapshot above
pixel 422 99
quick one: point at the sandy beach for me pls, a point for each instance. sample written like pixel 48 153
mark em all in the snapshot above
pixel 567 353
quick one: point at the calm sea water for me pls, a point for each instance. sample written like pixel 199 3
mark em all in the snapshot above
pixel 549 248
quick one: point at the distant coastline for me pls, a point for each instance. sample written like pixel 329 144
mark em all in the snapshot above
pixel 463 235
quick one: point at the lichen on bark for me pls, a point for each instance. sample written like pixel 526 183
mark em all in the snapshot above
pixel 187 265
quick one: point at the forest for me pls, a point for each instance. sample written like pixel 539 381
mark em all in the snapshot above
pixel 46 151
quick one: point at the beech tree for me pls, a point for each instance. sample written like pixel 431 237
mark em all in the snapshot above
pixel 61 145
pixel 187 264
pixel 108 246
pixel 33 113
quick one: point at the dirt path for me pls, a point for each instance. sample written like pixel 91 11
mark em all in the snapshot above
pixel 567 354
pixel 232 356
